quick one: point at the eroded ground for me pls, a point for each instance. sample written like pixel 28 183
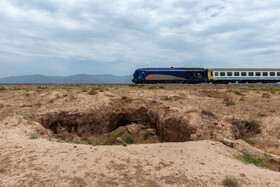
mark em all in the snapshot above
pixel 152 135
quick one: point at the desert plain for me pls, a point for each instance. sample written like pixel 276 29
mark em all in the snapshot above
pixel 139 135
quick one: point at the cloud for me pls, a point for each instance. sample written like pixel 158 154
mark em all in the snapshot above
pixel 132 34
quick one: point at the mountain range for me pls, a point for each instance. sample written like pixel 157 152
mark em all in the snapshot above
pixel 73 79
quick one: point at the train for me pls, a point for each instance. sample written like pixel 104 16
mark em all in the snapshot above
pixel 205 75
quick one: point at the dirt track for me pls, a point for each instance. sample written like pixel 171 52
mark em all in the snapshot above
pixel 66 121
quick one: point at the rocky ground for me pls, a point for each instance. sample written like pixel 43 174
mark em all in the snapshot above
pixel 139 135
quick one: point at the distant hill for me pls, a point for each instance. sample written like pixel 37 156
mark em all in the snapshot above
pixel 73 79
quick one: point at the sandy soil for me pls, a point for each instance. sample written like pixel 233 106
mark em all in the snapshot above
pixel 39 125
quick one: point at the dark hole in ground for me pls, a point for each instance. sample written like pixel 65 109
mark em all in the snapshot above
pixel 124 123
pixel 128 126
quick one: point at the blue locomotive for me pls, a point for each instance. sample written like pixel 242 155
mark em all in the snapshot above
pixel 202 75
pixel 170 75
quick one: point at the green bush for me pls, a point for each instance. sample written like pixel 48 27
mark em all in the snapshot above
pixel 96 88
pixel 146 135
pixel 2 170
pixel 38 104
pixel 83 90
pixel 231 181
pixel 94 143
pixel 265 95
pixel 229 103
pixel 247 158
pixel 92 92
pixel 33 136
pixel 262 114
pixel 24 105
pixel 124 144
pixel 120 133
pixel 77 141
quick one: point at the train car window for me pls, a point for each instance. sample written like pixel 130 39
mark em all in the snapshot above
pixel 188 75
pixel 216 73
pixel 222 74
pixel 200 75
pixel 272 73
pixel 236 74
pixel 251 74
pixel 243 74
pixel 258 73
pixel 265 73
pixel 278 74
pixel 229 73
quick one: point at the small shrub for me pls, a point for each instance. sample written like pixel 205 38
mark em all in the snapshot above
pixel 2 170
pixel 33 136
pixel 154 101
pixel 265 89
pixel 247 158
pixel 16 88
pixel 69 139
pixel 129 140
pixel 262 114
pixel 63 135
pixel 77 141
pixel 37 104
pixel 161 87
pixel 231 181
pixel 207 113
pixel 146 135
pixel 242 99
pixel 109 142
pixel 132 85
pixel 226 99
pixel 229 103
pixel 265 95
pixel 96 88
pixel 247 128
pixel 57 96
pixel 1 105
pixel 120 133
pixel 166 98
pixel 272 110
pixel 152 87
pixel 92 92
pixel 24 105
pixel 93 143
pixel 254 89
pixel 84 90
pixel 2 88
pixel 27 89
pixel 237 92
pixel 249 140
pixel 124 144
pixel 101 90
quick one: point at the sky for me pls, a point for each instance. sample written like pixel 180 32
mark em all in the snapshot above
pixel 69 37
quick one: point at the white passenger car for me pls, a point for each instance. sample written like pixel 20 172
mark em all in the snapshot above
pixel 224 75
